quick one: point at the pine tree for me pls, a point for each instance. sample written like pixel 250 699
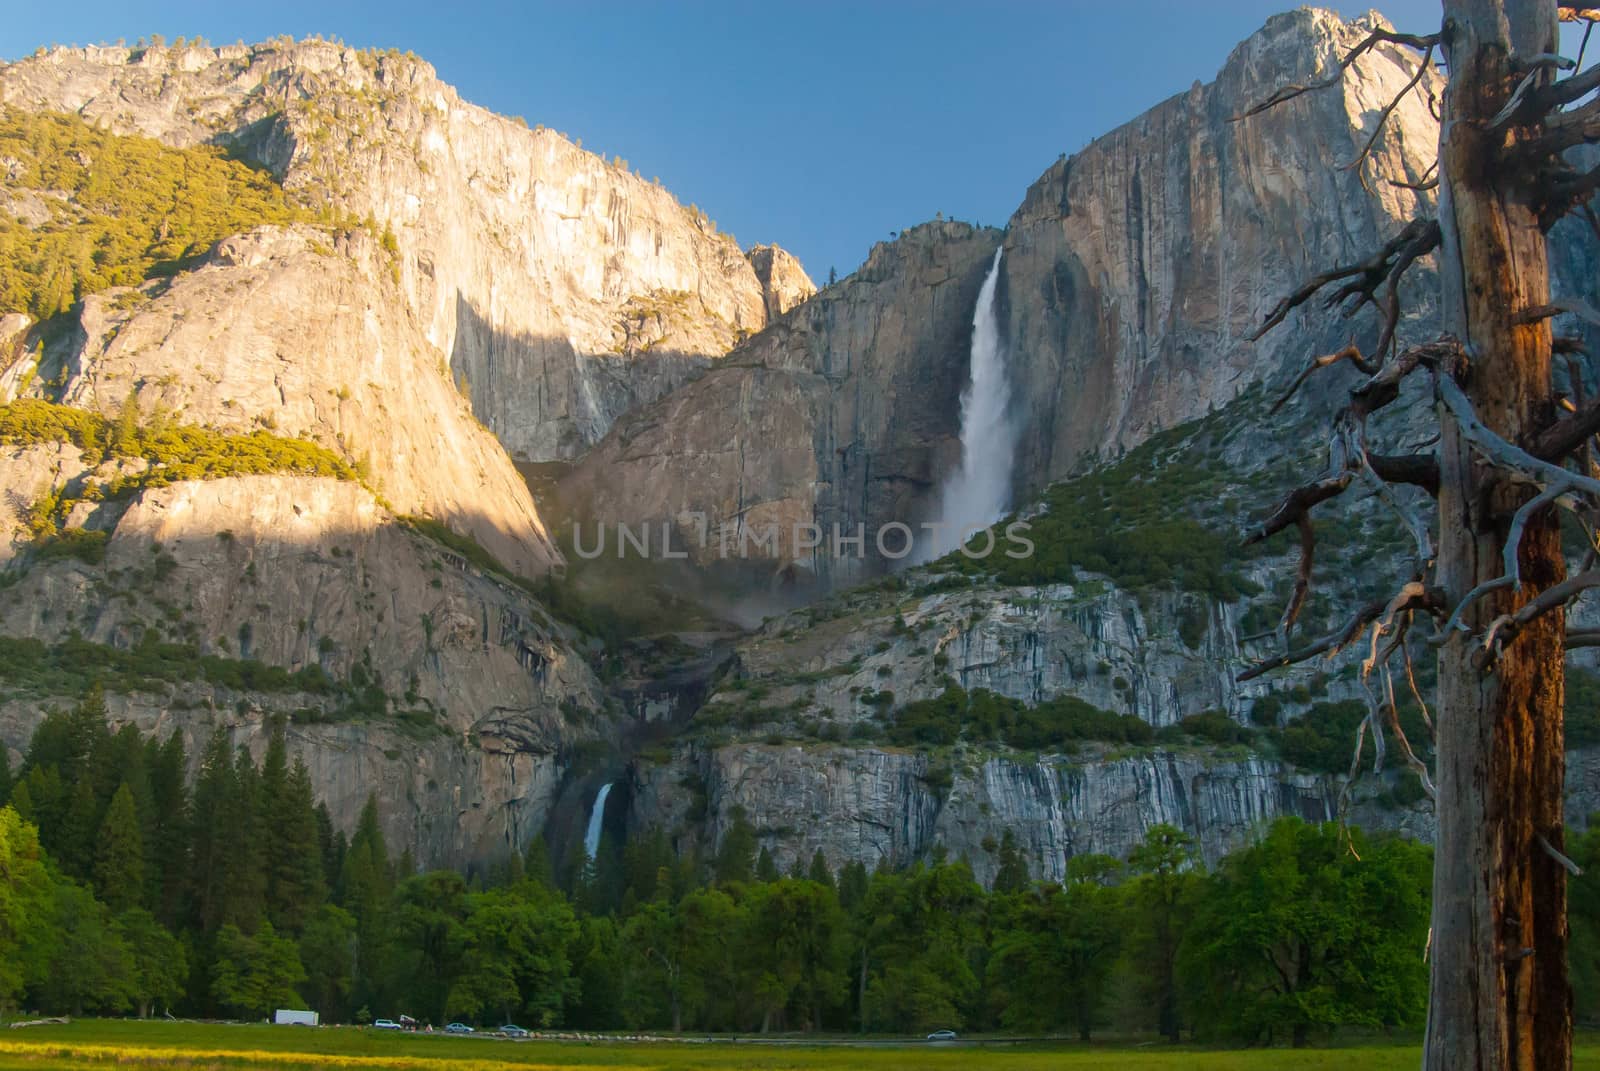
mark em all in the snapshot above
pixel 80 826
pixel 819 872
pixel 536 866
pixel 5 774
pixel 365 883
pixel 168 845
pixel 22 803
pixel 1012 875
pixel 214 792
pixel 331 844
pixel 119 855
pixel 736 856
pixel 290 847
pixel 42 799
pixel 766 869
pixel 244 887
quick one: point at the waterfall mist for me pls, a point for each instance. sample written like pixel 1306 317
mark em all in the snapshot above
pixel 978 492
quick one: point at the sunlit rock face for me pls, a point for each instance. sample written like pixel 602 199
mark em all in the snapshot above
pixel 292 332
pixel 564 289
pixel 284 330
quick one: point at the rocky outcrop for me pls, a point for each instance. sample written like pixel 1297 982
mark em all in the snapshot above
pixel 840 414
pixel 1089 640
pixel 518 252
pixel 455 698
pixel 289 331
pixel 1138 269
pixel 784 283
pixel 893 807
pixel 484 691
pixel 1134 274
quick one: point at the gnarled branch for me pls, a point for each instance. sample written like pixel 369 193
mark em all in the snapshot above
pixel 1372 40
pixel 1415 240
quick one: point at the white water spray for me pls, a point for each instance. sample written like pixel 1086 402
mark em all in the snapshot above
pixel 591 837
pixel 978 493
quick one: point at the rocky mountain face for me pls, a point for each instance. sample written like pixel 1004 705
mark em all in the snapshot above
pixel 517 298
pixel 454 694
pixel 564 289
pixel 828 417
pixel 1134 275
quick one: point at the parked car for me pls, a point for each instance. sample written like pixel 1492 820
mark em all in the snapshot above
pixel 458 1028
pixel 385 1024
pixel 942 1035
pixel 511 1030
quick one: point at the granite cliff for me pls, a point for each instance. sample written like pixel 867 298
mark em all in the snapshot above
pixel 562 287
pixel 473 292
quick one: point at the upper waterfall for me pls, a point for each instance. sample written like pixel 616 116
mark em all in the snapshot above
pixel 978 492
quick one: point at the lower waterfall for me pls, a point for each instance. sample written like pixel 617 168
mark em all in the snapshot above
pixel 591 836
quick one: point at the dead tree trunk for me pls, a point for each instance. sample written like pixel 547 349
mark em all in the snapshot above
pixel 1499 995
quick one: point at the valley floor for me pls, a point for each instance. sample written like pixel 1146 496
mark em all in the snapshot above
pixel 126 1044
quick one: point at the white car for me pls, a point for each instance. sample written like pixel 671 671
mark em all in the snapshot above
pixel 385 1024
pixel 942 1035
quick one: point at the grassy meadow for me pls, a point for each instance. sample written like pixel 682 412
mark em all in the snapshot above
pixel 126 1044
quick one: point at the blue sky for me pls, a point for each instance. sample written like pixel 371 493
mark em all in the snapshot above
pixel 818 125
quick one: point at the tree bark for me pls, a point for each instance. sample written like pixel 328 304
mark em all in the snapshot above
pixel 1499 995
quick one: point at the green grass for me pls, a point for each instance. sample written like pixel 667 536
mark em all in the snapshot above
pixel 121 1043
pixel 132 1044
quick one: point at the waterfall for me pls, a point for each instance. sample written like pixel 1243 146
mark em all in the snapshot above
pixel 591 837
pixel 978 493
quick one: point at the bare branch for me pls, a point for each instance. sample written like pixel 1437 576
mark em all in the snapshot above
pixel 1496 449
pixel 1419 531
pixel 1302 580
pixel 1538 65
pixel 1567 434
pixel 1332 643
pixel 1519 523
pixel 1417 470
pixel 1351 353
pixel 1422 184
pixel 1582 637
pixel 1417 239
pixel 1505 628
pixel 1548 98
pixel 1377 37
pixel 1383 117
pixel 1566 864
pixel 1416 692
pixel 1414 596
pixel 1299 501
pixel 1471 597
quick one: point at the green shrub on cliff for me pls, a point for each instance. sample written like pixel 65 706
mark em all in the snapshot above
pixel 173 453
pixel 984 717
pixel 1146 522
pixel 134 208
